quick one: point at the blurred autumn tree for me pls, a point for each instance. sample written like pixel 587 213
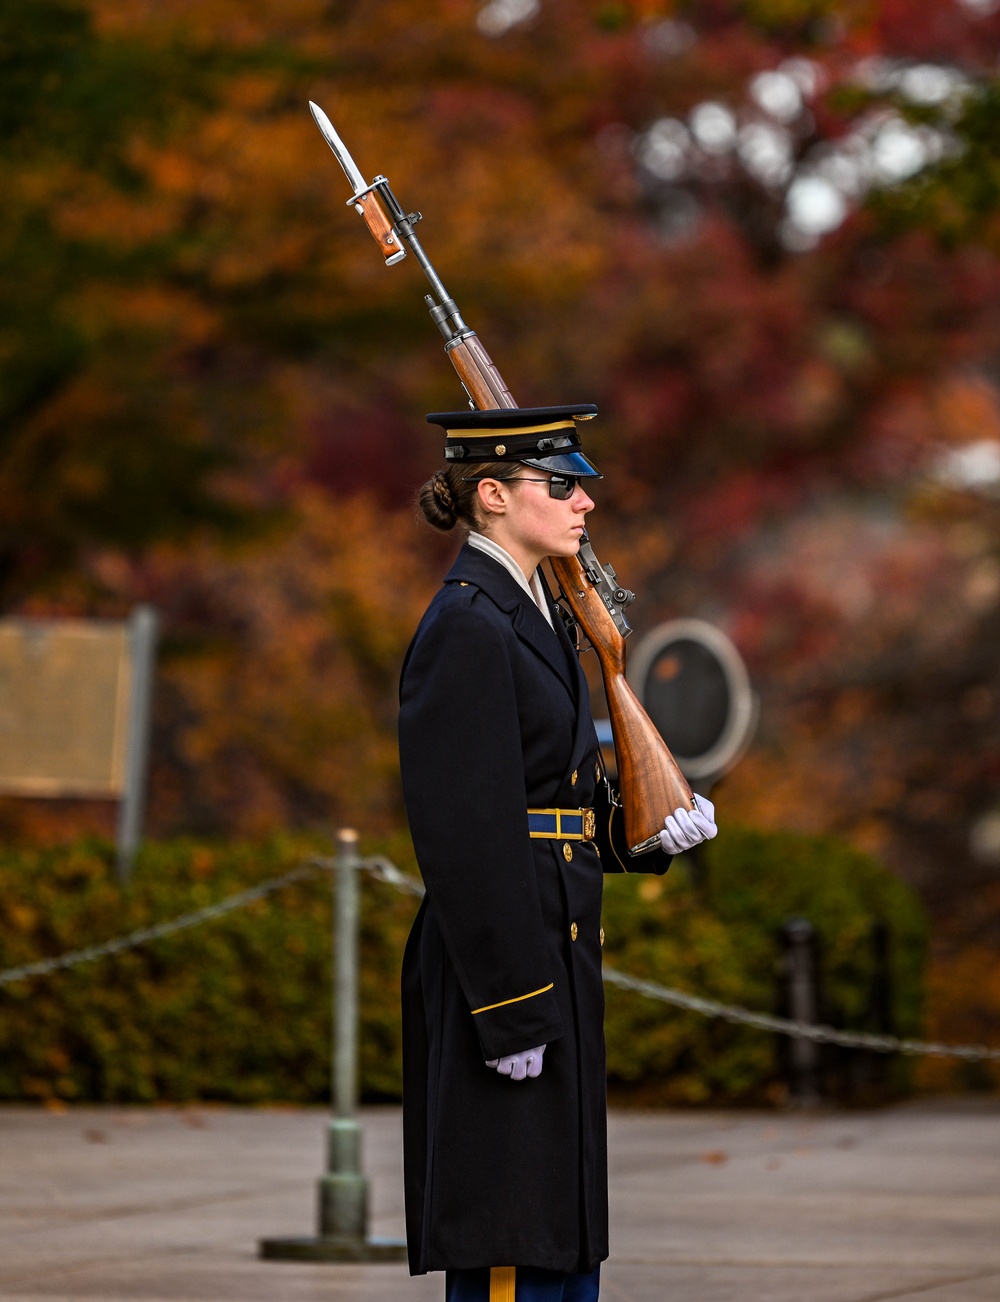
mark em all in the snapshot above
pixel 104 439
pixel 762 235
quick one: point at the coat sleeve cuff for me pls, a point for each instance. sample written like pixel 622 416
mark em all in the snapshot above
pixel 519 1023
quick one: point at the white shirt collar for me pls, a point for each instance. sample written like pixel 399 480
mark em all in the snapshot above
pixel 534 588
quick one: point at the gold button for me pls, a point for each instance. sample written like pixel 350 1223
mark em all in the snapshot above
pixel 597 772
pixel 574 931
pixel 572 781
pixel 463 585
pixel 500 449
pixel 567 851
pixel 602 935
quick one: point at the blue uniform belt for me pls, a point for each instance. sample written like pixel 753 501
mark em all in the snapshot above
pixel 561 824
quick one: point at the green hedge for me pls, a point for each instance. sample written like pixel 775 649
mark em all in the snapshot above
pixel 722 940
pixel 238 1008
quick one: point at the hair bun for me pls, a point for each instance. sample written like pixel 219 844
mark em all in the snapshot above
pixel 437 502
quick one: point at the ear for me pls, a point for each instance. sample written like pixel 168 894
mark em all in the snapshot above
pixel 493 496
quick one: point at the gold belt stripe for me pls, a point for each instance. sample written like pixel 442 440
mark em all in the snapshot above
pixel 587 824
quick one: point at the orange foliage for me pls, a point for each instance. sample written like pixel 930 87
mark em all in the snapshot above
pixel 963 1008
pixel 284 714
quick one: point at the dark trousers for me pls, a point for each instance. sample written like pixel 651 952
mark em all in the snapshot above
pixel 520 1284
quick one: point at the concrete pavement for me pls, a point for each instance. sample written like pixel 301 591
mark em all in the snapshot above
pixel 166 1205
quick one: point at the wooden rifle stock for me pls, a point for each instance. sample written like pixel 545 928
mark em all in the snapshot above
pixel 480 378
pixel 650 782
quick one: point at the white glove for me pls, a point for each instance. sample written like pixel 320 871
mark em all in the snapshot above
pixel 519 1065
pixel 687 827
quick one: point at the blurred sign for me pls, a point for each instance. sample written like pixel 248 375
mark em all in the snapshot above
pixel 694 686
pixel 74 711
pixel 64 692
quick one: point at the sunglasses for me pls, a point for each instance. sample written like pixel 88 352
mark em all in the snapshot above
pixel 561 487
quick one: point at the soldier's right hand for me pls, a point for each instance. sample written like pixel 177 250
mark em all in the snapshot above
pixel 686 828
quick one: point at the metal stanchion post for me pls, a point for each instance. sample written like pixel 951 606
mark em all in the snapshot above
pixel 143 629
pixel 343 1190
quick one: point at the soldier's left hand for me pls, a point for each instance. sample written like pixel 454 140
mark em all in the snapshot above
pixel 687 827
pixel 518 1066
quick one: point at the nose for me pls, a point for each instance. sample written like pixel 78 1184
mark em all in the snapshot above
pixel 581 502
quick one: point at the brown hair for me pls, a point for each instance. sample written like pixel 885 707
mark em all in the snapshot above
pixel 449 497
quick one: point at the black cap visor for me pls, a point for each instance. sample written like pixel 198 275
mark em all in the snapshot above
pixel 564 463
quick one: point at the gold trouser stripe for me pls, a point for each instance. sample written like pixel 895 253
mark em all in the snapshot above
pixel 502 1283
pixel 516 1000
pixel 548 428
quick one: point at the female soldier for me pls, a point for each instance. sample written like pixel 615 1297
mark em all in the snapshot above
pixel 512 821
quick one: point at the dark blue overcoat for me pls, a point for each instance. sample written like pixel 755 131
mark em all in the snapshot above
pixel 505 953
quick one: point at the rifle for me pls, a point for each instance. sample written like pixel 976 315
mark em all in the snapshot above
pixel 651 784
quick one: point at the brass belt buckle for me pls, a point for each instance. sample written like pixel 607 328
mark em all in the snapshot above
pixel 589 824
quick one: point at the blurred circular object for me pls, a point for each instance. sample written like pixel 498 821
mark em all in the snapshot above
pixel 694 686
pixel 984 838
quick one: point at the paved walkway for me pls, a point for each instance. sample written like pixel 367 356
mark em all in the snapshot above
pixel 102 1204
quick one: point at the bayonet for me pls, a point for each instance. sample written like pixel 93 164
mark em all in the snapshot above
pixel 392 227
pixel 340 151
pixel 364 200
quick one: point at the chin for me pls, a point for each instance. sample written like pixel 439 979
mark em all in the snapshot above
pixel 570 549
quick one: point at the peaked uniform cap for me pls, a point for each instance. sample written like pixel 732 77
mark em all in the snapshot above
pixel 544 437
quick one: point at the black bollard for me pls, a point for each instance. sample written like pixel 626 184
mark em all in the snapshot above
pixel 882 1019
pixel 799 971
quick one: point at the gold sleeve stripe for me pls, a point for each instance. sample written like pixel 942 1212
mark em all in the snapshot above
pixel 549 427
pixel 502 1283
pixel 516 1000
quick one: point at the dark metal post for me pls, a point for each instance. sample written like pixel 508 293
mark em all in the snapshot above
pixel 871 1072
pixel 883 1021
pixel 800 976
pixel 343 1190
